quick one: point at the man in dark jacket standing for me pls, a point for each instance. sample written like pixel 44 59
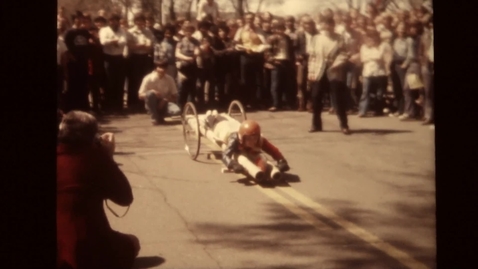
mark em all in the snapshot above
pixel 76 41
pixel 96 69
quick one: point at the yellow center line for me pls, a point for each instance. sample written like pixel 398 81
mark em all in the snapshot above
pixel 373 240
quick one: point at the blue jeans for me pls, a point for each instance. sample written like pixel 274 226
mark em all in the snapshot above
pixel 152 102
pixel 278 85
pixel 428 75
pixel 371 84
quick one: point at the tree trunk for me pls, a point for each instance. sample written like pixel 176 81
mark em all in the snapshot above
pixel 240 8
pixel 246 6
pixel 188 13
pixel 160 11
pixel 172 13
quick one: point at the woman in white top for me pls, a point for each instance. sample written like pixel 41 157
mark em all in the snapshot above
pixel 401 59
pixel 372 56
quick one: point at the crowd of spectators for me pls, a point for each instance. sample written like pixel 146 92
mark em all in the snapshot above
pixel 261 59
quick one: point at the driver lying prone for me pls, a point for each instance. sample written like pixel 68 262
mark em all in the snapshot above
pixel 243 153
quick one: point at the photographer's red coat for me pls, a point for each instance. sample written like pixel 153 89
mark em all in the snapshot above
pixel 85 177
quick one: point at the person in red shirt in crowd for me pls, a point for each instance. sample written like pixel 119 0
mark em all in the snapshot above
pixel 87 175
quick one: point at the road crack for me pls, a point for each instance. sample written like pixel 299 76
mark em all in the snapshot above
pixel 186 223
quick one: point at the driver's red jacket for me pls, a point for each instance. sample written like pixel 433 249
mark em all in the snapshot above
pixel 234 146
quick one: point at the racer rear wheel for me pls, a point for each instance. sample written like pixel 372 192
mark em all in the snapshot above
pixel 236 111
pixel 191 133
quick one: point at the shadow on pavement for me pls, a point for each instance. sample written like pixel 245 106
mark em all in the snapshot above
pixel 378 131
pixel 284 234
pixel 208 162
pixel 147 262
pixel 283 182
pixel 171 123
pixel 246 181
pixel 290 178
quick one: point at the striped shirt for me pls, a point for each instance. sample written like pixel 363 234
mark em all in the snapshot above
pixel 164 51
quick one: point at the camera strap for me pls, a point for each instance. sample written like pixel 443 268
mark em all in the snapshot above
pixel 114 213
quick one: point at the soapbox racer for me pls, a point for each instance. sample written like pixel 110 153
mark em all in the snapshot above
pixel 219 129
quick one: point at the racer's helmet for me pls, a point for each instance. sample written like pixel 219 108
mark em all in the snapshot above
pixel 249 133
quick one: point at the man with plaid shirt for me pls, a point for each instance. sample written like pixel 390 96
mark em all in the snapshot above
pixel 326 64
pixel 164 51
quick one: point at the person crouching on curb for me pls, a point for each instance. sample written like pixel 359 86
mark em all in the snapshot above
pixel 160 93
pixel 243 153
pixel 87 175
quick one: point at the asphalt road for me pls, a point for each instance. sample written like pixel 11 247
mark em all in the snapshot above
pixel 361 201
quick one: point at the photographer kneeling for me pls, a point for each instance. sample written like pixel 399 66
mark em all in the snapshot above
pixel 87 175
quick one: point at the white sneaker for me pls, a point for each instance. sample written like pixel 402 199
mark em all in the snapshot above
pixel 395 115
pixel 404 116
pixel 386 111
pixel 210 118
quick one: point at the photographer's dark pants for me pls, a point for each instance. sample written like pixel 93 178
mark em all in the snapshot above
pixel 115 67
pixel 336 88
pixel 139 67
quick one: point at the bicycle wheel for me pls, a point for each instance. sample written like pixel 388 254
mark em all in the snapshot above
pixel 236 111
pixel 192 136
